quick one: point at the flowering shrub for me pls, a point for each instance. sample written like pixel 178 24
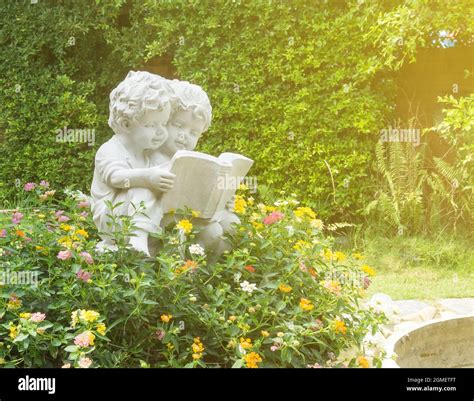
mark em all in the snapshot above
pixel 283 297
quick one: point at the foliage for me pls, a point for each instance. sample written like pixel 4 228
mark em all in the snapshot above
pixel 303 99
pixel 282 298
pixel 422 193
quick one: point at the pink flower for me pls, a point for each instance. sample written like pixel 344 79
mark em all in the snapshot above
pixel 3 233
pixel 87 258
pixel 64 255
pixel 159 334
pixel 60 217
pixel 16 218
pixel 84 339
pixel 84 214
pixel 367 282
pixel 273 348
pixel 83 275
pixel 29 186
pixel 44 184
pixel 37 317
pixel 273 218
pixel 85 362
pixel 83 205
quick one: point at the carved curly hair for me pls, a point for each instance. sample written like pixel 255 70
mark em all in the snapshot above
pixel 188 96
pixel 138 92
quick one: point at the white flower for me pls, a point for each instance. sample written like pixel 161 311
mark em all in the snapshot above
pixel 247 287
pixel 84 363
pixel 196 249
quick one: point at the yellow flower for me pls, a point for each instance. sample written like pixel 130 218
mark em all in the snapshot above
pixel 367 269
pixel 305 212
pixel 245 343
pixel 13 331
pixel 66 242
pixel 306 304
pixel 41 216
pixel 88 315
pixel 327 254
pixel 66 227
pixel 14 303
pixel 166 318
pixel 300 245
pixel 101 328
pixel 197 346
pixel 74 319
pixel 284 288
pixel 257 225
pixel 185 226
pixel 340 327
pixel 195 213
pixel 243 187
pixel 339 256
pixel 232 318
pixel 170 346
pixel 250 201
pixel 197 356
pixel 252 360
pixel 362 362
pixel 358 256
pixel 240 204
pixel 265 333
pixel 83 233
pixel 25 315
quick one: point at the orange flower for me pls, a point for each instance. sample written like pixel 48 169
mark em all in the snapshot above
pixel 250 268
pixel 246 343
pixel 340 327
pixel 252 360
pixel 166 318
pixel 362 362
pixel 306 304
pixel 20 233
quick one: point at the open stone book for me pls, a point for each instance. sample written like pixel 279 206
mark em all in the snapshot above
pixel 204 183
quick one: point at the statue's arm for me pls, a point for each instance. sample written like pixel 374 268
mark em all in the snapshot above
pixel 153 178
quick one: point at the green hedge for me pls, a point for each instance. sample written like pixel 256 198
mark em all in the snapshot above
pixel 301 87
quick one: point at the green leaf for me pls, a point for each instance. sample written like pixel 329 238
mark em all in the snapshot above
pixel 238 364
pixel 71 348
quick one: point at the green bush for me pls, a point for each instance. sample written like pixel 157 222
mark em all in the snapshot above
pixel 281 298
pixel 301 87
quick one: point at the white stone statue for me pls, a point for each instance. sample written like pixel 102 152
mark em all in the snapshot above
pixel 150 159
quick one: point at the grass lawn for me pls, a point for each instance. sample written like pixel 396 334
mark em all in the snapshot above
pixel 421 268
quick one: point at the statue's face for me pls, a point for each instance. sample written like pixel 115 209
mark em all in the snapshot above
pixel 184 131
pixel 149 131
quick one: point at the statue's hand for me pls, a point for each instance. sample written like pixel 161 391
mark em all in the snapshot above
pixel 161 179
